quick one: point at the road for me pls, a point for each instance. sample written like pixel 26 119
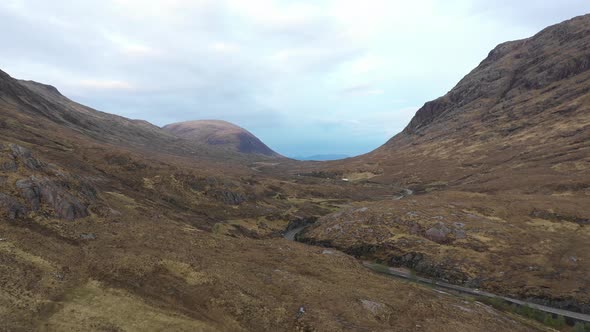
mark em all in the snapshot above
pixel 576 316
pixel 290 234
pixel 405 275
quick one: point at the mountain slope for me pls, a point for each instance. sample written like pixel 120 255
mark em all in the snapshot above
pixel 220 134
pixel 498 177
pixel 527 99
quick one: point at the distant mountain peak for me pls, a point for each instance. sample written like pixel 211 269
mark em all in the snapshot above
pixel 221 134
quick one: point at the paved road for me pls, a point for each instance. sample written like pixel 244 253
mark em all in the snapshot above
pixel 405 275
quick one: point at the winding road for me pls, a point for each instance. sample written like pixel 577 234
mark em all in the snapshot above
pixel 576 316
pixel 290 234
pixel 440 284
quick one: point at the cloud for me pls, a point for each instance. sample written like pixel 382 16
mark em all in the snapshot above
pixel 361 90
pixel 105 85
pixel 306 76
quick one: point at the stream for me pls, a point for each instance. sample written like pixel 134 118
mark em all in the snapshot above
pixel 575 316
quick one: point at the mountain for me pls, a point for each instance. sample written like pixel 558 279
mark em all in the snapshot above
pixel 490 182
pixel 220 134
pixel 522 111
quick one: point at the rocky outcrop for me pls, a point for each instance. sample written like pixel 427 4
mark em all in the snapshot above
pixel 229 197
pixel 13 208
pixel 8 165
pixel 65 205
pixel 25 156
pixel 30 191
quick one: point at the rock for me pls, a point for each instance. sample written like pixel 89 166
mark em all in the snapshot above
pixel 30 192
pixel 379 310
pixel 459 233
pixel 88 236
pixel 573 259
pixel 415 228
pixel 25 156
pixel 300 312
pixel 9 165
pixel 66 205
pixel 12 206
pixel 230 197
pixel 410 259
pixel 372 306
pixel 439 233
pixel 20 151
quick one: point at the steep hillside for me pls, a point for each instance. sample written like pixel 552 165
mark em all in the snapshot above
pixel 496 176
pixel 220 134
pixel 521 115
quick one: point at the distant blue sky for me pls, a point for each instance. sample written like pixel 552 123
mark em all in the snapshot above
pixel 307 77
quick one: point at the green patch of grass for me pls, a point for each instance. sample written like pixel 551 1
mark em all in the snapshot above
pixel 547 319
pixel 379 268
pixel 582 327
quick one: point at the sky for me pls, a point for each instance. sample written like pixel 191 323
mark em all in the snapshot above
pixel 306 77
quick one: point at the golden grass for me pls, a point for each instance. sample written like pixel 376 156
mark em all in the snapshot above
pixel 94 307
pixel 186 272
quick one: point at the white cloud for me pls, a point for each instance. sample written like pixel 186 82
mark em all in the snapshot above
pixel 223 47
pixel 105 84
pixel 361 90
pixel 270 65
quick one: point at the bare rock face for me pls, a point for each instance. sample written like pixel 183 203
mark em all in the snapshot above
pixel 65 205
pixel 230 197
pixel 25 156
pixel 12 206
pixel 30 191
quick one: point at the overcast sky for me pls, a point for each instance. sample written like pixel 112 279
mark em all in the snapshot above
pixel 307 77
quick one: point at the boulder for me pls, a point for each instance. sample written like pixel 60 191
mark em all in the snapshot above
pixel 439 233
pixel 13 207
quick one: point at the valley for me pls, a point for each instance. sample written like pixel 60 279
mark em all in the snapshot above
pixel 113 224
